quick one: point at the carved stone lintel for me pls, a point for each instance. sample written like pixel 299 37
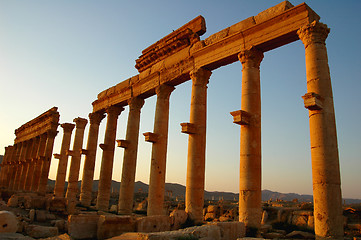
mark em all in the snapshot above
pixel 123 143
pixel 312 101
pixel 315 32
pixel 188 128
pixel 251 58
pixel 241 117
pixel 150 137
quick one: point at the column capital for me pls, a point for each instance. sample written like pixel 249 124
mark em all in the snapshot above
pixel 200 76
pixel 251 58
pixel 164 91
pixel 67 127
pixel 80 122
pixel 96 117
pixel 114 111
pixel 315 32
pixel 135 103
pixel 51 133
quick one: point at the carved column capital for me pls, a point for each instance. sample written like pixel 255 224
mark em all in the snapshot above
pixel 51 134
pixel 80 122
pixel 164 91
pixel 96 117
pixel 114 111
pixel 315 32
pixel 67 127
pixel 135 103
pixel 200 76
pixel 251 58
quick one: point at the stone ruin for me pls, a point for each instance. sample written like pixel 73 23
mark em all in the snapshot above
pixel 173 60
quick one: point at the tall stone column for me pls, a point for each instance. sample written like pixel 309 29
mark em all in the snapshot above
pixel 324 150
pixel 13 166
pixel 106 169
pixel 159 151
pixel 30 173
pixel 6 166
pixel 38 162
pixel 126 192
pixel 196 128
pixel 20 154
pixel 250 209
pixel 27 161
pixel 89 162
pixel 48 152
pixel 72 190
pixel 63 159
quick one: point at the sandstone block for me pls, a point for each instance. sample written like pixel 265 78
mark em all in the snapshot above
pixel 231 230
pixel 264 217
pixel 32 215
pixel 59 237
pixel 113 209
pixel 37 231
pixel 13 201
pixel 114 225
pixel 8 222
pixel 155 223
pixel 300 220
pixel 57 204
pixel 210 216
pixel 40 215
pixel 14 236
pixel 177 218
pixel 300 235
pixel 83 226
pixel 273 11
pixel 311 222
pixel 273 235
pixel 36 202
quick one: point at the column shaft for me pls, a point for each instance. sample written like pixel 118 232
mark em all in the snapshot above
pixel 63 159
pixel 197 145
pixel 19 156
pixel 30 173
pixel 27 163
pixel 324 150
pixel 126 192
pixel 12 171
pixel 38 162
pixel 75 163
pixel 250 208
pixel 89 162
pixel 45 166
pixel 159 152
pixel 106 170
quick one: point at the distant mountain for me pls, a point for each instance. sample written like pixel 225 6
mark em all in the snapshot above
pixel 178 190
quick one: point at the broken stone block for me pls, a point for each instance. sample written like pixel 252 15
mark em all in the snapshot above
pixel 114 225
pixel 83 226
pixel 37 231
pixel 13 201
pixel 56 204
pixel 300 221
pixel 8 222
pixel 300 235
pixel 32 215
pixel 230 230
pixel 113 209
pixel 36 202
pixel 59 237
pixel 177 219
pixel 158 223
pixel 40 215
pixel 14 236
pixel 210 216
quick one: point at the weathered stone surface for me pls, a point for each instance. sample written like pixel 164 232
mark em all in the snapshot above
pixel 156 223
pixel 56 204
pixel 264 217
pixel 8 222
pixel 230 230
pixel 36 202
pixel 13 201
pixel 83 226
pixel 177 218
pixel 210 216
pixel 59 237
pixel 114 225
pixel 14 236
pixel 37 231
pixel 301 235
pixel 273 11
pixel 273 235
pixel 40 215
pixel 300 221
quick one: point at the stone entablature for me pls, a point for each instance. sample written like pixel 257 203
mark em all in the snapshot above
pixel 47 121
pixel 269 29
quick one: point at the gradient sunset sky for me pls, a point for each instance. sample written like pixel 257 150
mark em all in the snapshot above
pixel 63 53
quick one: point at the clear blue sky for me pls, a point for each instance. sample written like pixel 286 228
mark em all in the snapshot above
pixel 63 53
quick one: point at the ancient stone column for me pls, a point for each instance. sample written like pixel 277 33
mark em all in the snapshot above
pixel 89 162
pixel 196 128
pixel 27 161
pixel 250 209
pixel 31 169
pixel 38 162
pixel 126 192
pixel 63 159
pixel 324 150
pixel 106 169
pixel 72 190
pixel 159 152
pixel 45 166
pixel 20 154
pixel 5 169
pixel 13 165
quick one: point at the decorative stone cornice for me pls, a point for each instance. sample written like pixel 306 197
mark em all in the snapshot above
pixel 96 117
pixel 172 43
pixel 200 76
pixel 135 103
pixel 163 91
pixel 251 58
pixel 315 32
pixel 80 122
pixel 67 127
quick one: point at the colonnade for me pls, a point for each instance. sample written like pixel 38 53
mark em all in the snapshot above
pixel 17 172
